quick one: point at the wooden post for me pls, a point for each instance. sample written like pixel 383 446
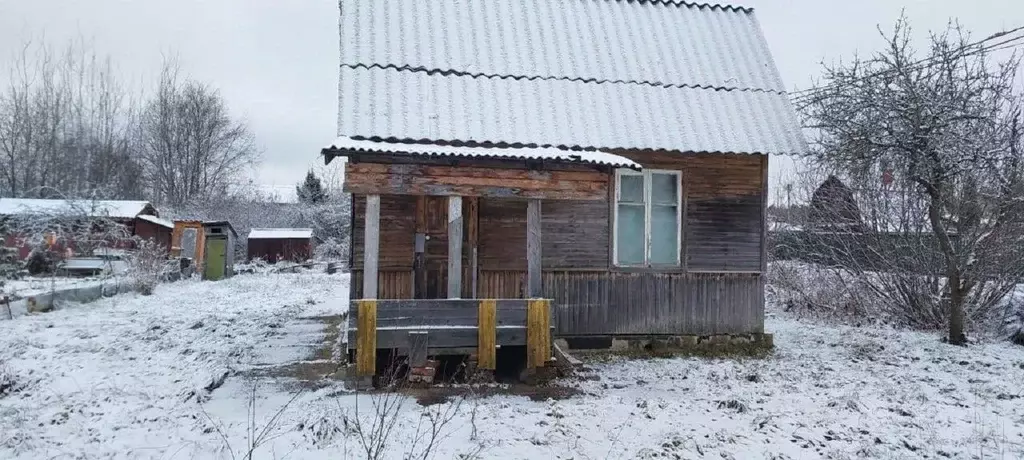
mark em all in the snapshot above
pixel 473 238
pixel 419 263
pixel 538 333
pixel 534 289
pixel 454 247
pixel 366 338
pixel 371 246
pixel 487 335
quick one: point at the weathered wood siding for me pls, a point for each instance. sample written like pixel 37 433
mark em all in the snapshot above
pixel 397 231
pixel 655 303
pixel 382 179
pixel 724 212
pixel 723 200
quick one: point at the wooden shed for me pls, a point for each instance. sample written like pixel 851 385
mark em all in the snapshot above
pixel 219 250
pixel 278 244
pixel 608 157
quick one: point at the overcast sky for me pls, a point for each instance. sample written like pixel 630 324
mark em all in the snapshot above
pixel 275 61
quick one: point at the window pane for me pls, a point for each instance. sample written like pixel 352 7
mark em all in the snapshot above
pixel 663 188
pixel 664 231
pixel 630 240
pixel 631 189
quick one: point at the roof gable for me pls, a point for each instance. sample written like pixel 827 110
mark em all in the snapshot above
pixel 597 74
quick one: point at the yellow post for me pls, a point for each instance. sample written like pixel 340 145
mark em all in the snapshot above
pixel 538 333
pixel 487 335
pixel 366 338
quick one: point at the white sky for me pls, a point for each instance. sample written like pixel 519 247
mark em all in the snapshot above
pixel 275 61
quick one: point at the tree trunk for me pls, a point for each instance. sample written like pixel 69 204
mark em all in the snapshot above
pixel 956 314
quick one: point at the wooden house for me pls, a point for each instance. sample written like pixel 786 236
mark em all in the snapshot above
pixel 138 218
pixel 608 156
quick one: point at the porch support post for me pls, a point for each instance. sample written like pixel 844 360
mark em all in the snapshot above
pixel 371 245
pixel 534 289
pixel 454 247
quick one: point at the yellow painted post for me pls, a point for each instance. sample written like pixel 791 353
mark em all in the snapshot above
pixel 487 334
pixel 366 338
pixel 538 333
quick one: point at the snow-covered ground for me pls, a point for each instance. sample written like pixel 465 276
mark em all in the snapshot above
pixel 37 285
pixel 124 378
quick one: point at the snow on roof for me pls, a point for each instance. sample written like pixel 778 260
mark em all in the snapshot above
pixel 576 73
pixel 280 233
pixel 93 208
pixel 157 220
pixel 540 153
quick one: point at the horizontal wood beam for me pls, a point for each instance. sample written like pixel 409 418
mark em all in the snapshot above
pixel 386 179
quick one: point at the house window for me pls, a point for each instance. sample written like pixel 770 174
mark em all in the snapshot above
pixel 647 213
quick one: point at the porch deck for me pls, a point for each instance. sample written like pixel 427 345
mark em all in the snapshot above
pixel 422 328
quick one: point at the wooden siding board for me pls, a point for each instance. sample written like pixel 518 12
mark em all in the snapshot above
pixel 576 234
pixel 397 231
pixel 602 303
pixel 384 179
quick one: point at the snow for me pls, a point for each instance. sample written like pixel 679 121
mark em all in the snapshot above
pixel 99 208
pixel 36 285
pixel 280 233
pixel 116 378
pixel 541 153
pixel 157 220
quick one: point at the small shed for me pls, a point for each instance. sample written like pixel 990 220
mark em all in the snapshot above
pixel 219 250
pixel 276 244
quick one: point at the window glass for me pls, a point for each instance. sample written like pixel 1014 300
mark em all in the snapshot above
pixel 631 188
pixel 630 239
pixel 664 188
pixel 664 235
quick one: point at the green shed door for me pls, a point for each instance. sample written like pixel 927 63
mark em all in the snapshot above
pixel 216 256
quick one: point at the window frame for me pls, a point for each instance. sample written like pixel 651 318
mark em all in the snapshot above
pixel 648 204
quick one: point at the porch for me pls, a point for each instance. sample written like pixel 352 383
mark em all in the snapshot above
pixel 418 287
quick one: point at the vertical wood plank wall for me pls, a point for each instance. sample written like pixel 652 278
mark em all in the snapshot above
pixel 719 289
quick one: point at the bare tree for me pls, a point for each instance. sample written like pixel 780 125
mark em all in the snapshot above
pixel 191 146
pixel 940 133
pixel 66 123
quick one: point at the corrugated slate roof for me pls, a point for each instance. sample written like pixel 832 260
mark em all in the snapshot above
pixel 280 233
pixel 531 153
pixel 577 73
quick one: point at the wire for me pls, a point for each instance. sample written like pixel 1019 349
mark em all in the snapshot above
pixel 977 47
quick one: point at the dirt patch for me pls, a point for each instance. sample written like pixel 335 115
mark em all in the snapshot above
pixel 332 333
pixel 442 394
pixel 323 364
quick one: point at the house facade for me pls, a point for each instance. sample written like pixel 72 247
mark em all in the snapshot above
pixel 609 156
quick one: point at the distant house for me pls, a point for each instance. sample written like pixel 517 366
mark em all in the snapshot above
pixel 610 156
pixel 834 208
pixel 139 218
pixel 279 244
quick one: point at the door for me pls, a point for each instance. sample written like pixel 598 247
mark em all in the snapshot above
pixel 216 257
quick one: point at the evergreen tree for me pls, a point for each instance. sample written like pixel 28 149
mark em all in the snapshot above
pixel 311 190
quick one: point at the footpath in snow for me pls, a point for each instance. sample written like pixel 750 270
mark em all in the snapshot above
pixel 124 378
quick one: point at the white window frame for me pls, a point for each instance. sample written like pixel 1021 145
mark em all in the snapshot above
pixel 646 174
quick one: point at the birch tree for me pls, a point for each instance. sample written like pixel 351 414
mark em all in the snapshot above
pixel 942 126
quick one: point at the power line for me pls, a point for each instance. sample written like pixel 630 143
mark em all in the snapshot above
pixel 976 47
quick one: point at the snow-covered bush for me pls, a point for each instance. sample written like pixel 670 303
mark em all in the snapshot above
pixel 331 249
pixel 41 261
pixel 9 383
pixel 147 265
